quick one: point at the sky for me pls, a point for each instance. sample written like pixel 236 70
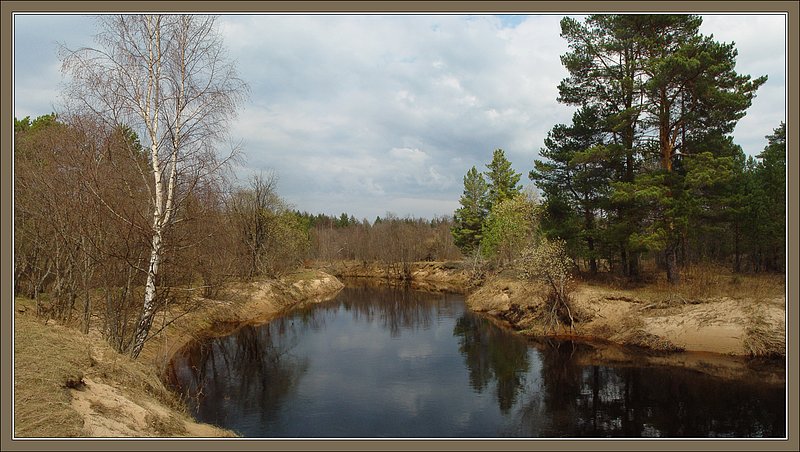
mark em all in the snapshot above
pixel 377 114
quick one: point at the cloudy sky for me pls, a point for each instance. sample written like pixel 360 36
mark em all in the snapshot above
pixel 369 114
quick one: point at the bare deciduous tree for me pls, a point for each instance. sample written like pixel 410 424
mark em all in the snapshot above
pixel 166 77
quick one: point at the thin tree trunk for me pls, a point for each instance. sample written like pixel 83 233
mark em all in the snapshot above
pixel 86 301
pixel 737 265
pixel 592 258
pixel 673 273
pixel 149 307
pixel 588 217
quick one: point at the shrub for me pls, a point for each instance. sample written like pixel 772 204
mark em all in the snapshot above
pixel 547 261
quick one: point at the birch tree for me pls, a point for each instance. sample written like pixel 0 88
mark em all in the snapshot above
pixel 167 77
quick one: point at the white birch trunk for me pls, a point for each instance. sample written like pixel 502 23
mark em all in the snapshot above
pixel 152 107
pixel 168 69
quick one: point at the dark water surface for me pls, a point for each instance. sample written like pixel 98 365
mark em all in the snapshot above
pixel 383 362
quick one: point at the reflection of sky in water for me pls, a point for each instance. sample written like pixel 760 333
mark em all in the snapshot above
pixel 393 363
pixel 388 382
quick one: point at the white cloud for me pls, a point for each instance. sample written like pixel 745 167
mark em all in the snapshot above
pixel 366 113
pixel 761 46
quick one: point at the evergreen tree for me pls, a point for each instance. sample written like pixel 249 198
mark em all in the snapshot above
pixel 503 181
pixel 771 174
pixel 470 217
pixel 661 86
pixel 575 182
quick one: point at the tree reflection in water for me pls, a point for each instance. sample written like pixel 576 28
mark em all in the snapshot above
pixel 395 307
pixel 252 371
pixel 582 401
pixel 491 353
pixel 382 361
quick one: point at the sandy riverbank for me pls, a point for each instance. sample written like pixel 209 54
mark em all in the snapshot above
pixel 68 384
pixel 734 322
pixel 95 392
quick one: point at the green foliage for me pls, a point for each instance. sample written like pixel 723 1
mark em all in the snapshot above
pixel 503 181
pixel 26 125
pixel 482 192
pixel 769 203
pixel 510 227
pixel 469 219
pixel 648 164
pixel 575 180
pixel 288 242
pixel 651 191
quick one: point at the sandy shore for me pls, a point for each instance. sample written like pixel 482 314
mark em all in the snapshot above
pixel 726 325
pixel 123 398
pixel 114 396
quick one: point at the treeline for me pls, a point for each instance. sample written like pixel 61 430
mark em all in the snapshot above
pixel 648 167
pixel 391 239
pixel 83 232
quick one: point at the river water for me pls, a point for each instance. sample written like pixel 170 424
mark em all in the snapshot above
pixel 394 362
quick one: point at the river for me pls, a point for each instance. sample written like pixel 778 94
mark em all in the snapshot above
pixel 394 362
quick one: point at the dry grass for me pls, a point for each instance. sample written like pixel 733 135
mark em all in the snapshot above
pixel 47 361
pixel 707 281
pixel 701 283
pixel 632 331
pixel 138 379
pixel 51 359
pixel 165 426
pixel 762 340
pixel 107 411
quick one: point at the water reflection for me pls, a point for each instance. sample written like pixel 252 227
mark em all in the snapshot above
pixel 492 355
pixel 596 401
pixel 250 372
pixel 381 361
pixel 396 308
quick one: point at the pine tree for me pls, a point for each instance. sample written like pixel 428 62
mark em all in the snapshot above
pixel 575 181
pixel 771 174
pixel 660 85
pixel 502 179
pixel 471 216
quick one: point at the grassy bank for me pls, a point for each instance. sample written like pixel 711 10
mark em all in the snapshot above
pixel 69 384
